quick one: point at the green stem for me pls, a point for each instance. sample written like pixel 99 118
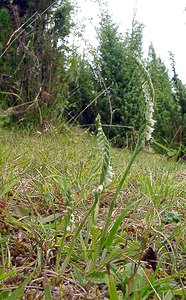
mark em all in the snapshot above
pixel 60 250
pixel 139 147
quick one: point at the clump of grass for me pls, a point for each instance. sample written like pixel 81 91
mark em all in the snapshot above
pixel 88 258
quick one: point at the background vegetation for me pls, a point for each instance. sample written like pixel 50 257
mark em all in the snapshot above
pixel 43 78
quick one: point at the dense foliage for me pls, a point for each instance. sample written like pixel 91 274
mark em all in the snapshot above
pixel 123 102
pixel 42 77
pixel 166 111
pixel 32 50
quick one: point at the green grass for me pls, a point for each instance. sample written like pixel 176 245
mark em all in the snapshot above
pixel 57 243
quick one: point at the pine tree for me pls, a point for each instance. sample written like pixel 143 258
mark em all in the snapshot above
pixel 123 103
pixel 166 110
pixel 180 100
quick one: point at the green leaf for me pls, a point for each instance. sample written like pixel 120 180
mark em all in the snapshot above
pixel 117 223
pixel 4 295
pixel 139 280
pixel 4 275
pixel 16 222
pixel 97 276
pixel 78 276
pixel 168 295
pixel 51 218
pixel 7 188
pixel 4 240
pixel 47 289
pixel 180 292
pixel 18 293
pixel 112 288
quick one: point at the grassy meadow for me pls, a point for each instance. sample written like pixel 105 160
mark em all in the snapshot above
pixel 59 241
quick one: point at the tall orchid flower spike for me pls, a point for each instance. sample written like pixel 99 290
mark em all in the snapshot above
pixel 148 91
pixel 107 173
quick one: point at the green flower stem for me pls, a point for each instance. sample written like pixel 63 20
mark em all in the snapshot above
pixel 60 250
pixel 138 148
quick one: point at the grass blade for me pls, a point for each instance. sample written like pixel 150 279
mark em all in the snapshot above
pixel 117 223
pixel 47 289
pixel 112 286
pixel 18 293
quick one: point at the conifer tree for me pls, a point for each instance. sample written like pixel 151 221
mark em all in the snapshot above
pixel 123 103
pixel 166 110
pixel 180 101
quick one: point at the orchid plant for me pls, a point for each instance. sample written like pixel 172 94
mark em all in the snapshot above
pixel 145 136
